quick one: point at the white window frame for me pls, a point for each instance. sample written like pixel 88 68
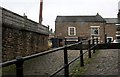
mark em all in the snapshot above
pixel 95 27
pixel 69 31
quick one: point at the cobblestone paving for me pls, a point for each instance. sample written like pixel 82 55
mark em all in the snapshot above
pixel 49 63
pixel 105 63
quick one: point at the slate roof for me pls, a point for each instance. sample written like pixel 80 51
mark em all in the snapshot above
pixel 95 18
pixel 111 20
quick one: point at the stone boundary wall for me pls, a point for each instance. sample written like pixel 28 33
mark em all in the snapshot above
pixel 21 36
pixel 0 41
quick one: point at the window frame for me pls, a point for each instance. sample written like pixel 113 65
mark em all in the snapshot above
pixel 70 32
pixel 98 28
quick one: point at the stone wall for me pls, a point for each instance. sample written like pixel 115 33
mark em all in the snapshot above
pixel 0 37
pixel 21 36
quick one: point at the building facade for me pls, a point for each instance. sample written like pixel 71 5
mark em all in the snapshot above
pixel 72 27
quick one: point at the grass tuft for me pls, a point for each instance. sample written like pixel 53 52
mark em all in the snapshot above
pixel 78 70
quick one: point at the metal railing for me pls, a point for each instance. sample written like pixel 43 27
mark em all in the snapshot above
pixel 19 61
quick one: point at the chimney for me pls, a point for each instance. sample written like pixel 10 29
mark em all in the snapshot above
pixel 118 16
pixel 40 13
pixel 118 12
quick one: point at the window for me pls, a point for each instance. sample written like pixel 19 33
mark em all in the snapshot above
pixel 96 37
pixel 118 36
pixel 94 30
pixel 109 39
pixel 71 31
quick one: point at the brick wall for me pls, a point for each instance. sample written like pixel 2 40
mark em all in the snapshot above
pixel 111 30
pixel 82 29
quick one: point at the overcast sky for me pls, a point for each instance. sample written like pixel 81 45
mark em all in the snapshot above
pixel 53 8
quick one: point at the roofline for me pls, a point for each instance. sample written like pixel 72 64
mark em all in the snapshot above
pixel 110 22
pixel 81 21
pixel 0 7
pixel 110 18
pixel 82 16
pixel 78 16
pixel 18 15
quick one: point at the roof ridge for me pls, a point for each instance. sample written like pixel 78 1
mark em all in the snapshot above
pixel 87 18
pixel 79 16
pixel 110 18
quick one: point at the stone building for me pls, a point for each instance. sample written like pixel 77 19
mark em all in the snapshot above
pixel 72 27
pixel 21 36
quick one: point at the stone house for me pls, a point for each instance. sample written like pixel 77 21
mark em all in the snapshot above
pixel 72 27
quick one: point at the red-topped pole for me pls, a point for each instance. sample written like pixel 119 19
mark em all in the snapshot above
pixel 40 13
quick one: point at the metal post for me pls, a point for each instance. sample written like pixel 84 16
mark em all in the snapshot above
pixel 81 55
pixel 105 38
pixel 66 69
pixel 97 40
pixel 93 42
pixel 89 52
pixel 79 39
pixel 97 43
pixel 19 67
pixel 65 42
